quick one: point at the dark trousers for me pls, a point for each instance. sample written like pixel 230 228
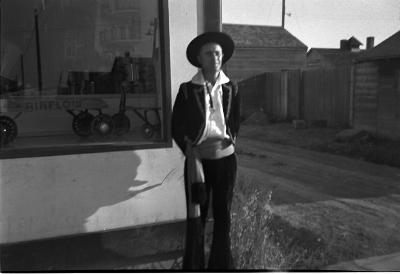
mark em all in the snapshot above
pixel 220 176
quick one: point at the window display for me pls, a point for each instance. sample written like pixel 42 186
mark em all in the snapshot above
pixel 81 73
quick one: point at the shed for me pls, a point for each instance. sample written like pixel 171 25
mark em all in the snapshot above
pixel 377 89
pixel 261 49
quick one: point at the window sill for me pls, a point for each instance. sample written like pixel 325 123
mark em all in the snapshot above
pixel 28 152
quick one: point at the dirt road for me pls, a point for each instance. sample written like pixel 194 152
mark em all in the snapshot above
pixel 354 206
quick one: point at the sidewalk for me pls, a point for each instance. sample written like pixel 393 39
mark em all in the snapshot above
pixel 385 263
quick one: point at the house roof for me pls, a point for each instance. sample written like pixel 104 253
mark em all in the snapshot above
pixel 389 48
pixel 335 56
pixel 354 41
pixel 255 36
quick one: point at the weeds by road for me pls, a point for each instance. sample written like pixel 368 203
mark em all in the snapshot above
pixel 310 235
pixel 262 240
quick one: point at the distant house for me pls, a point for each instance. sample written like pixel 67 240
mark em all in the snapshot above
pixel 334 57
pixel 263 48
pixel 377 89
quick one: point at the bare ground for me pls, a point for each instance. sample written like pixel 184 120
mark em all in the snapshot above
pixel 350 207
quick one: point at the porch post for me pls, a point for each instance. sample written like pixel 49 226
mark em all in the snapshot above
pixel 212 15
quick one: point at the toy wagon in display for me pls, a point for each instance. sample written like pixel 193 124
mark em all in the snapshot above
pixel 89 114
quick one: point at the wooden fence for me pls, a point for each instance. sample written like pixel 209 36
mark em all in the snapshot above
pixel 320 96
pixel 327 95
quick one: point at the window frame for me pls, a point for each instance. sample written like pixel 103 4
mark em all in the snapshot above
pixel 166 142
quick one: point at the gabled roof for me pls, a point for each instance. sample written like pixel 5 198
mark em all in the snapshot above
pixel 354 42
pixel 255 36
pixel 389 48
pixel 335 56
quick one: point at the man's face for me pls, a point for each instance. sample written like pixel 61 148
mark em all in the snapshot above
pixel 210 57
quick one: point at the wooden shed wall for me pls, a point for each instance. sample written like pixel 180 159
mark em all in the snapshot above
pixel 388 106
pixel 366 96
pixel 377 97
pixel 248 62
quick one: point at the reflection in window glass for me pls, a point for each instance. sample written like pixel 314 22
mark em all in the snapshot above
pixel 93 76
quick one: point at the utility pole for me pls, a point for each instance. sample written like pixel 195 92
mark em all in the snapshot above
pixel 213 15
pixel 283 13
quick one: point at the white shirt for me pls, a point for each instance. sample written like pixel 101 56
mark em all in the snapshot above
pixel 215 119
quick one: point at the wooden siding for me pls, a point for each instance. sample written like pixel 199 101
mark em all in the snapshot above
pixel 275 99
pixel 365 96
pixel 388 107
pixel 327 96
pixel 315 60
pixel 252 94
pixel 283 94
pixel 246 63
pixel 294 90
pixel 370 96
pixel 377 98
pixel 313 95
pixel 276 93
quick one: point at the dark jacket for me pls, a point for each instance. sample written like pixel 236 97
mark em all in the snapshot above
pixel 188 115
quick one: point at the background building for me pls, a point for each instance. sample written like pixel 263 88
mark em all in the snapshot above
pixel 263 48
pixel 331 57
pixel 377 89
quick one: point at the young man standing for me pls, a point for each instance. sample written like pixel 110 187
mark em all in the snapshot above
pixel 205 124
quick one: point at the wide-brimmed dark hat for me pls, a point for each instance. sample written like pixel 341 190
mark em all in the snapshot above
pixel 222 39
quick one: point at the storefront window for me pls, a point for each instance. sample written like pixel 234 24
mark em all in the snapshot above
pixel 81 74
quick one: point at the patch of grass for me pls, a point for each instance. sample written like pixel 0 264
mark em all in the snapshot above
pixel 375 150
pixel 286 134
pixel 262 240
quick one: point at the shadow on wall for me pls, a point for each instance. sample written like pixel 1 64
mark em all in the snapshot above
pixel 71 195
pixel 56 196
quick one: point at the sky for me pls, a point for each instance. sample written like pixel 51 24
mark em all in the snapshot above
pixel 320 23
